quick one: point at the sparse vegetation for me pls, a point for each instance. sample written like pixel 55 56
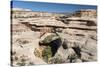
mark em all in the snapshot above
pixel 53 38
pixel 46 53
pixel 37 53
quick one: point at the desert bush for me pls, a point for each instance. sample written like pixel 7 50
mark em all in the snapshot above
pixel 46 53
pixel 37 53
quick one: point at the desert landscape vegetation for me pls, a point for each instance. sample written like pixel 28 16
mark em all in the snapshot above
pixel 53 38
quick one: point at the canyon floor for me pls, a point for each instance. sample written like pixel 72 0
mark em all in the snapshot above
pixel 53 40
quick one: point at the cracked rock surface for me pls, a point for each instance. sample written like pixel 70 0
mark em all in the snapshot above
pixel 49 38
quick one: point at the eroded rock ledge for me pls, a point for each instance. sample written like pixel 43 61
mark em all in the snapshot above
pixel 48 38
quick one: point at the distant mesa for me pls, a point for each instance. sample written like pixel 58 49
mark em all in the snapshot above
pixel 20 9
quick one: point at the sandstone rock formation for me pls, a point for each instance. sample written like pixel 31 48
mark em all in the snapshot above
pixel 57 37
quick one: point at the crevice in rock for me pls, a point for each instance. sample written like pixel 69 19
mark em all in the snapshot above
pixel 77 50
pixel 55 44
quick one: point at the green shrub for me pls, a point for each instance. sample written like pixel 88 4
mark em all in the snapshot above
pixel 46 53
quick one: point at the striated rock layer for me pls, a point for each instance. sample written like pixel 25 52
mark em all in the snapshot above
pixel 50 38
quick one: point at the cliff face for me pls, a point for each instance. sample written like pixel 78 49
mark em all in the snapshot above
pixel 47 38
pixel 86 13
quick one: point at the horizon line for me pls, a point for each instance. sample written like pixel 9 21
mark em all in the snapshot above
pixel 50 7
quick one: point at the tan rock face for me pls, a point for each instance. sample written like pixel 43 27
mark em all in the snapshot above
pixel 77 37
pixel 86 13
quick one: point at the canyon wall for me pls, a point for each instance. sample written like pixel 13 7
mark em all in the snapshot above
pixel 48 38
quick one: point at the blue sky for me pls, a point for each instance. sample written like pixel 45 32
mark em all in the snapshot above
pixel 50 7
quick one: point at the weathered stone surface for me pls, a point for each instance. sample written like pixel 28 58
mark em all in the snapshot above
pixel 86 13
pixel 71 39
